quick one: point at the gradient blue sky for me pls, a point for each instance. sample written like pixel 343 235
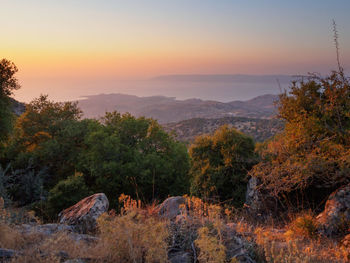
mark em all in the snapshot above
pixel 61 42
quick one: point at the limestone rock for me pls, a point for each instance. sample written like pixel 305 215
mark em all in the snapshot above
pixel 170 208
pixel 76 260
pixel 83 215
pixel 180 257
pixel 237 246
pixel 83 238
pixel 336 216
pixel 46 229
pixel 252 194
pixel 259 203
pixel 7 254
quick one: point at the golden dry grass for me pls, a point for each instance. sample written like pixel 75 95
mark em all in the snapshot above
pixel 137 234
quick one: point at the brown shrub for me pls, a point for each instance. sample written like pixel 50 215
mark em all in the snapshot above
pixel 133 236
pixel 304 225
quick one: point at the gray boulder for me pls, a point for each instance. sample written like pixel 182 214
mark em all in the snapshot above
pixel 7 254
pixel 170 208
pixel 259 203
pixel 252 194
pixel 83 215
pixel 335 219
pixel 46 229
pixel 180 257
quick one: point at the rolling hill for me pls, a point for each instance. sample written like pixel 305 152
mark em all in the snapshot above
pixel 259 129
pixel 168 109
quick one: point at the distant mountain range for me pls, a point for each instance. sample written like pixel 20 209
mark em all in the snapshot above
pixel 168 109
pixel 227 78
pixel 17 107
pixel 188 118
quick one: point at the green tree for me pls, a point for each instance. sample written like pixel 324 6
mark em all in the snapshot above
pixel 134 156
pixel 312 156
pixel 49 135
pixel 8 83
pixel 66 193
pixel 220 163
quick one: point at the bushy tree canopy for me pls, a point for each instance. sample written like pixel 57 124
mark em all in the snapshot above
pixel 49 135
pixel 134 156
pixel 314 149
pixel 118 154
pixel 220 163
pixel 8 83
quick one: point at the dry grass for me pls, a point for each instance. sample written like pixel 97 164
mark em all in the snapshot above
pixel 137 234
pixel 298 242
pixel 303 225
pixel 211 246
pixel 10 238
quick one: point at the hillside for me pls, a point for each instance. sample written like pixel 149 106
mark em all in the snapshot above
pixel 168 109
pixel 259 129
pixel 17 107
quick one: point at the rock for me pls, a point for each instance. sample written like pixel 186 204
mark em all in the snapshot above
pixel 252 195
pixel 181 219
pixel 180 257
pixel 76 260
pixel 63 255
pixel 335 219
pixel 254 199
pixel 258 203
pixel 83 238
pixel 46 229
pixel 83 215
pixel 7 254
pixel 170 208
pixel 236 246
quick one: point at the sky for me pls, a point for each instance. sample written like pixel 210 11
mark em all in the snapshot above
pixel 69 48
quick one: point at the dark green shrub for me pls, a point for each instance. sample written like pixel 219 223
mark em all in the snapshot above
pixel 66 193
pixel 220 163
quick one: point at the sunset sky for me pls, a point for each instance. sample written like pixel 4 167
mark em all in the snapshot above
pixel 86 44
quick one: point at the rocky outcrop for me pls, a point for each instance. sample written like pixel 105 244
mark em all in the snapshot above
pixel 170 208
pixel 77 260
pixel 180 257
pixel 252 196
pixel 259 203
pixel 237 246
pixel 83 215
pixel 48 230
pixel 335 219
pixel 7 254
pixel 45 230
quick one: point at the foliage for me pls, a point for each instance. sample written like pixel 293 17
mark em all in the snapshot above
pixel 313 152
pixel 48 135
pixel 8 83
pixel 220 164
pixel 304 225
pixel 67 192
pixel 27 185
pixel 4 183
pixel 118 154
pixel 134 156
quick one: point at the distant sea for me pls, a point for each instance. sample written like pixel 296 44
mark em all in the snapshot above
pixel 222 88
pixel 217 91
